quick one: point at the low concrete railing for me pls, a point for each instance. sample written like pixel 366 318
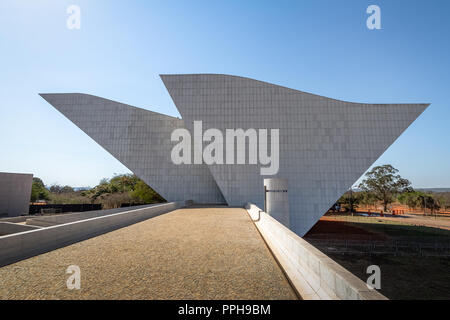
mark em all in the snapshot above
pixel 52 220
pixel 10 228
pixel 14 219
pixel 16 247
pixel 312 273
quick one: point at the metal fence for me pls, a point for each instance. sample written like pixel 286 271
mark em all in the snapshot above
pixel 397 248
pixel 62 208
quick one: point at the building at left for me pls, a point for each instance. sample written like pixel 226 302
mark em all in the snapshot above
pixel 15 192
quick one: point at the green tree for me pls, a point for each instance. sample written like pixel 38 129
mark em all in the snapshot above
pixel 111 193
pixel 143 193
pixel 385 183
pixel 411 199
pixel 124 182
pixel 368 199
pixel 428 201
pixel 417 199
pixel 444 200
pixel 38 190
pixel 350 201
pixel 60 189
pixel 125 188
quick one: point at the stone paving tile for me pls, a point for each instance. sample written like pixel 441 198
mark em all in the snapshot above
pixel 193 253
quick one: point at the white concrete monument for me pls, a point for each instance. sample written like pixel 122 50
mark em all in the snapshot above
pixel 324 144
pixel 276 202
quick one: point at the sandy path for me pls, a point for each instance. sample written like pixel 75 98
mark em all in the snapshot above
pixel 202 253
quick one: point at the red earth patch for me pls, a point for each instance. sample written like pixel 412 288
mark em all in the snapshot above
pixel 331 229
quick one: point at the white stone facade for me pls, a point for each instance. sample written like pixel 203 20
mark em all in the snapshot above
pixel 325 144
pixel 140 139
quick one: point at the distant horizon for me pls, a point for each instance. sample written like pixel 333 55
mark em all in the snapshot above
pixel 118 174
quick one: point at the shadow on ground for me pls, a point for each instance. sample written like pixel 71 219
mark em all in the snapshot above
pixel 414 260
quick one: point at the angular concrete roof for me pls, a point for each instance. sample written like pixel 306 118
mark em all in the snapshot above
pixel 325 144
pixel 140 139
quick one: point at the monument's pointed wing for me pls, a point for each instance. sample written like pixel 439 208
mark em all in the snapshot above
pixel 325 144
pixel 140 139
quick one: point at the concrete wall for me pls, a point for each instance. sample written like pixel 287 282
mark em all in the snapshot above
pixel 314 275
pixel 14 219
pixel 15 191
pixel 140 139
pixel 26 244
pixel 47 221
pixel 10 228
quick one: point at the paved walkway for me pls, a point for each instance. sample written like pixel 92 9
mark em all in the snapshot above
pixel 194 253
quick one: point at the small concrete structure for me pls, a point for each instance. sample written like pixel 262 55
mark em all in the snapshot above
pixel 15 191
pixel 312 273
pixel 11 228
pixel 53 220
pixel 276 201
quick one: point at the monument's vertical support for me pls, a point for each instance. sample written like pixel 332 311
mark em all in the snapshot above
pixel 277 200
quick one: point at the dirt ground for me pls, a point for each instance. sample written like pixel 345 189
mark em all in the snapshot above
pixel 332 229
pixel 403 277
pixel 406 273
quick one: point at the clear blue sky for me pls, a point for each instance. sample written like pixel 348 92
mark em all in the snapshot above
pixel 322 47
